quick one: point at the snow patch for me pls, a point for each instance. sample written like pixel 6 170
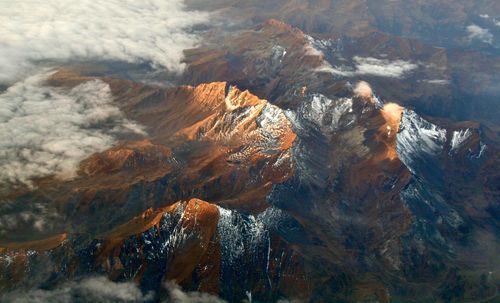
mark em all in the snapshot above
pixel 324 112
pixel 418 138
pixel 458 138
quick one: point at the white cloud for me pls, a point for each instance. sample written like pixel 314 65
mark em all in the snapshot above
pixel 312 51
pixel 311 47
pixel 363 89
pixel 155 31
pixel 487 17
pixel 97 289
pixel 101 289
pixel 437 81
pixel 372 66
pixel 362 65
pixel 177 295
pixel 383 67
pixel 35 217
pixel 478 33
pixel 46 130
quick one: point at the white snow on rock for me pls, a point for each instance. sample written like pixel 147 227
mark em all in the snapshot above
pixel 458 138
pixel 418 138
pixel 278 54
pixel 324 112
pixel 239 234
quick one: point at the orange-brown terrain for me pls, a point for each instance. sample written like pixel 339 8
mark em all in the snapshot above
pixel 269 169
pixel 448 79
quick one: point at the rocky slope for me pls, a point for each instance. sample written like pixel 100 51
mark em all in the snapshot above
pixel 199 245
pixel 323 192
pixel 327 194
pixel 273 57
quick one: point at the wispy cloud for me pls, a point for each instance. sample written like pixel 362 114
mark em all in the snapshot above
pixel 97 289
pixel 177 295
pixel 383 67
pixel 437 81
pixel 46 130
pixel 476 32
pixel 31 217
pixel 101 289
pixel 493 20
pixel 363 89
pixel 154 31
pixel 372 66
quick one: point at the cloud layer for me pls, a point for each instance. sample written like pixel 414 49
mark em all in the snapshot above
pixel 46 130
pixel 154 31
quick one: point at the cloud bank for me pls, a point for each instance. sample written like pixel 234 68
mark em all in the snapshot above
pixel 46 130
pixel 373 67
pixel 152 31
pixel 478 33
